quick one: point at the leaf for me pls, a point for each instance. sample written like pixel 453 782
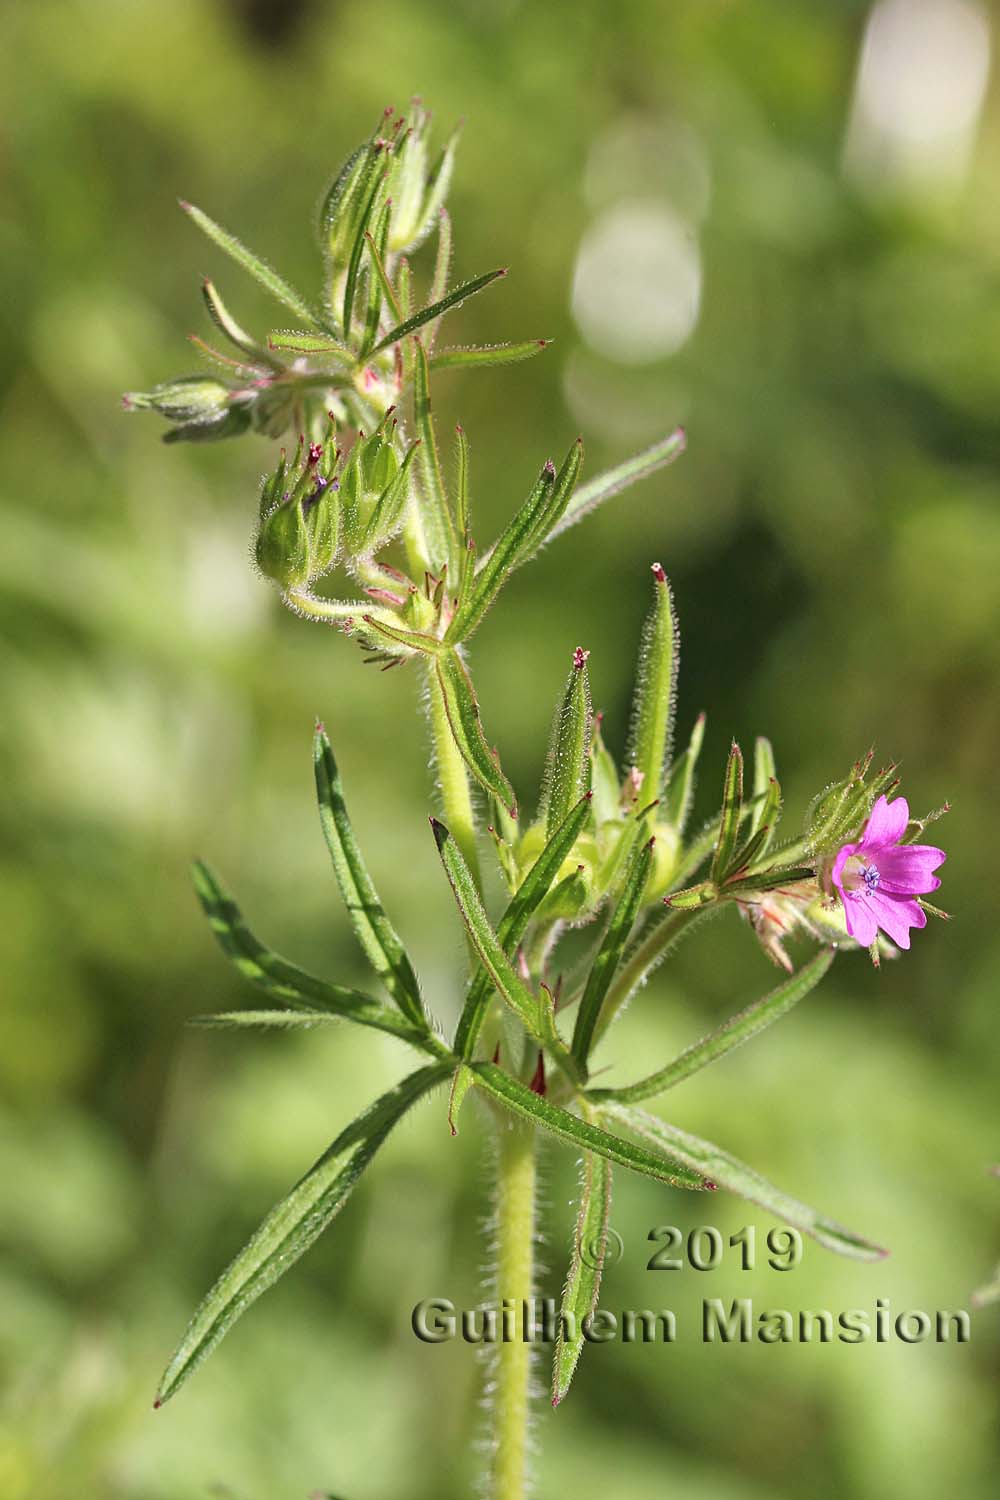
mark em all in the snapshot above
pixel 589 496
pixel 460 1085
pixel 283 981
pixel 514 922
pixel 439 526
pixel 376 242
pixel 583 1281
pixel 521 536
pixel 728 1172
pixel 378 261
pixel 462 712
pixel 655 691
pixel 680 784
pixel 374 931
pixel 227 325
pixel 732 1033
pixel 485 941
pixel 435 309
pixel 610 952
pixel 770 879
pixel 275 1019
pixel 292 1226
pixel 389 506
pixel 258 269
pixel 357 250
pixel 475 356
pixel 567 766
pixel 693 897
pixel 462 483
pixel 412 640
pixel 523 1101
pixel 764 782
pixel 729 818
pixel 302 341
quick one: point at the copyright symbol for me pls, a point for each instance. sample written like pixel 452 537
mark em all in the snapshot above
pixel 597 1249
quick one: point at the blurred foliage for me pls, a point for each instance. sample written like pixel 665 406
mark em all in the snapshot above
pixel 834 543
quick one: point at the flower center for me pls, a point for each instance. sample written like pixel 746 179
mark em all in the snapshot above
pixel 860 878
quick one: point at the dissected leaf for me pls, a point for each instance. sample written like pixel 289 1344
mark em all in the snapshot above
pixel 283 981
pixel 374 931
pixel 293 1225
pixel 522 1100
pixel 475 356
pixel 679 793
pixel 462 711
pixel 732 812
pixel 514 922
pixel 485 941
pixel 435 309
pixel 583 1281
pixel 592 494
pixel 730 1173
pixel 610 952
pixel 655 691
pixel 258 269
pixel 732 1033
pixel 523 534
pixel 567 767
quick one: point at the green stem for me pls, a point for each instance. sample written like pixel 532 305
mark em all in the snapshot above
pixel 643 960
pixel 515 1280
pixel 453 780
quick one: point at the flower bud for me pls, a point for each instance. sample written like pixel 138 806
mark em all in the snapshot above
pixel 298 536
pixel 282 549
pixel 192 398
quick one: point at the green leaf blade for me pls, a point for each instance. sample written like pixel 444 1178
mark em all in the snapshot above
pixel 462 710
pixel 596 491
pixel 583 1281
pixel 292 1226
pixel 731 815
pixel 434 310
pixel 521 1100
pixel 731 1034
pixel 655 691
pixel 610 953
pixel 262 273
pixel 734 1175
pixel 482 356
pixel 376 934
pixel 280 980
pixel 485 941
pixel 514 922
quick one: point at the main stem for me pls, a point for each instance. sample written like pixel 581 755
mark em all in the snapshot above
pixel 515 1195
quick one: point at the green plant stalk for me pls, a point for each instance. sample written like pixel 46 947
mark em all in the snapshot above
pixel 640 963
pixel 515 1196
pixel 453 779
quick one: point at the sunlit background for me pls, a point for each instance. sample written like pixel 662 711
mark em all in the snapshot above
pixel 775 223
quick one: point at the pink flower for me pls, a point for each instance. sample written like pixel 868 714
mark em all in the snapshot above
pixel 878 877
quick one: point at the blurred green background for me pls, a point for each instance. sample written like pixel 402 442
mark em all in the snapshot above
pixel 777 224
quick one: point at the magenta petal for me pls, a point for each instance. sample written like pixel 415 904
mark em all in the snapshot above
pixel 837 873
pixel 896 917
pixel 886 824
pixel 909 869
pixel 861 922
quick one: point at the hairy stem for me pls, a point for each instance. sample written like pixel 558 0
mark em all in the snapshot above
pixel 453 780
pixel 649 952
pixel 515 1280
